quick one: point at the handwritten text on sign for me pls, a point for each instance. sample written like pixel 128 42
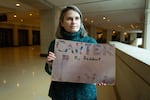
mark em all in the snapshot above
pixel 83 62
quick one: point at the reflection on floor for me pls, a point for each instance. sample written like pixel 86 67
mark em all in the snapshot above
pixel 22 75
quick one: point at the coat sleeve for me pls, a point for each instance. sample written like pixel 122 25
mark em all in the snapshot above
pixel 48 68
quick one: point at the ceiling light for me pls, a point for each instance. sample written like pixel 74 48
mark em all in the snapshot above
pixel 104 18
pixel 30 14
pixel 17 5
pixel 108 20
pixel 125 33
pixel 85 19
pixel 21 20
pixel 18 84
pixel 113 31
pixel 4 81
pixel 15 15
pixel 92 21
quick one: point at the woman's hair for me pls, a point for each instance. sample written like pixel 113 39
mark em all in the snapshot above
pixel 61 18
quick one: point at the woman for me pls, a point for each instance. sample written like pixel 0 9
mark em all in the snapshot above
pixel 70 28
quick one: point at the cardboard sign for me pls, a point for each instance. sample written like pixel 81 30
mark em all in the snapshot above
pixel 83 62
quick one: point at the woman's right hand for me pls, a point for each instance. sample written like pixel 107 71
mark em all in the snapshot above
pixel 51 56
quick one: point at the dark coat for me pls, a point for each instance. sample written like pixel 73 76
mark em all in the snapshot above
pixel 71 91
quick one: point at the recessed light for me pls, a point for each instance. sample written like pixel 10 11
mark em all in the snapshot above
pixel 15 15
pixel 30 14
pixel 104 18
pixel 85 19
pixel 17 4
pixel 113 32
pixel 108 20
pixel 21 20
pixel 92 21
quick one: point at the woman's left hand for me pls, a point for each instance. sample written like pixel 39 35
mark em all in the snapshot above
pixel 101 84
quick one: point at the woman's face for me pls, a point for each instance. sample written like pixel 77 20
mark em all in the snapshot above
pixel 71 22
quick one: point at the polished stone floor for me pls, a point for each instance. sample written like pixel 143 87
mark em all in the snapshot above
pixel 22 75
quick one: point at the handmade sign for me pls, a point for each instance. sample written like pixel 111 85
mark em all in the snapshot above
pixel 83 62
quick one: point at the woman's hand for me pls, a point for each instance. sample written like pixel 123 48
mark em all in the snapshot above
pixel 51 56
pixel 101 84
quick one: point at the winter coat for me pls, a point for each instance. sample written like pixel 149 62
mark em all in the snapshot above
pixel 66 90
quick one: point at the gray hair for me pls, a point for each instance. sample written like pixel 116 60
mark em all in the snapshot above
pixel 61 18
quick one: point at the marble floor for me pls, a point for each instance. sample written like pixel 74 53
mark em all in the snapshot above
pixel 22 75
